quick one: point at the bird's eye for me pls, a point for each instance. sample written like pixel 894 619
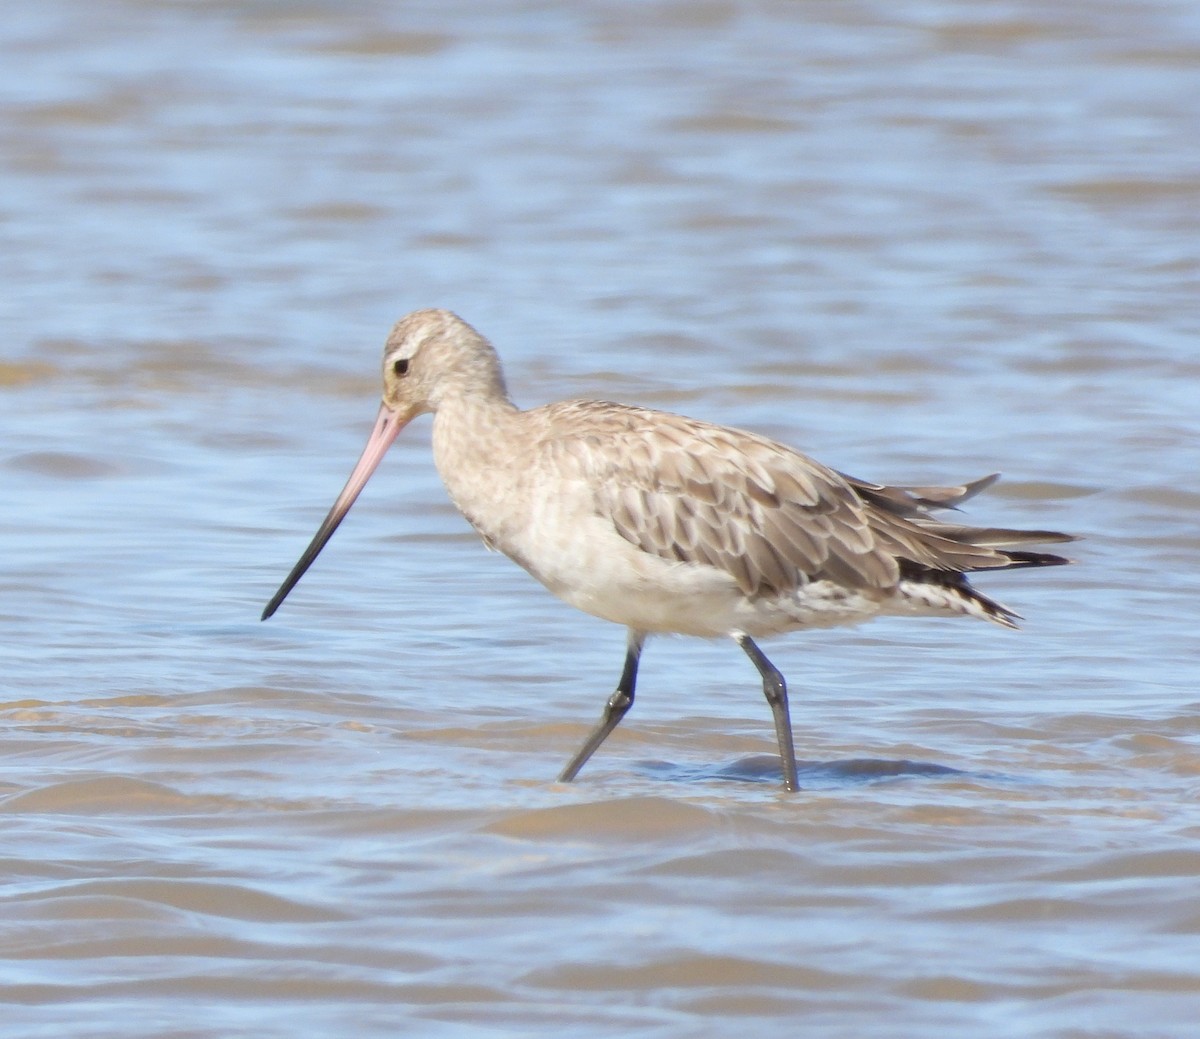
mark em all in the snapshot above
pixel 401 366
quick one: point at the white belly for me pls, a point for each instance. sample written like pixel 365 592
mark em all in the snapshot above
pixel 594 569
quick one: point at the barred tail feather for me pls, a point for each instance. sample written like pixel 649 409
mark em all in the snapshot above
pixel 941 592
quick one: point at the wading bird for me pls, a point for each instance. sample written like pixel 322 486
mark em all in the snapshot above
pixel 667 524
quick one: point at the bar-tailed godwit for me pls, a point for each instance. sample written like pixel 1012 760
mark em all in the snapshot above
pixel 667 524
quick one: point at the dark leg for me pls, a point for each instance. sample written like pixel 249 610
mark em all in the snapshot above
pixel 775 690
pixel 614 710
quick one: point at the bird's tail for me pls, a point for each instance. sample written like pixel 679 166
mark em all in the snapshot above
pixel 1005 543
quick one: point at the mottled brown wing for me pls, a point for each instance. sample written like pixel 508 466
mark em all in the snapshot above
pixel 689 491
pixel 772 518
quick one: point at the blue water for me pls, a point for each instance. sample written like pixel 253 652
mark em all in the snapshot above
pixel 921 243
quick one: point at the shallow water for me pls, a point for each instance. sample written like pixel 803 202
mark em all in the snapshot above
pixel 922 242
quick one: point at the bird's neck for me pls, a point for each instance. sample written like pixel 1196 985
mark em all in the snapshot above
pixel 469 427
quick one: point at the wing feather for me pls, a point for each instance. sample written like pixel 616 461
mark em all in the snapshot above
pixel 770 517
pixel 688 491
